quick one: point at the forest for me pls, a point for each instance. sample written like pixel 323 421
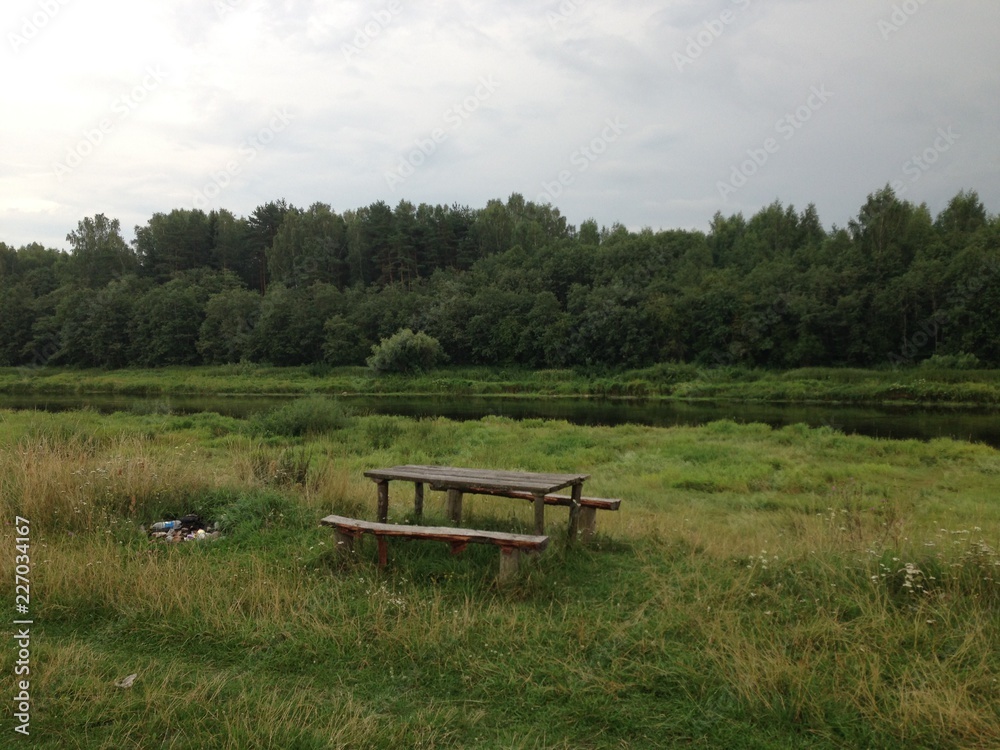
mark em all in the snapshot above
pixel 512 283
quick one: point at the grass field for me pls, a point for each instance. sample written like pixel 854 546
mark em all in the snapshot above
pixel 915 385
pixel 758 589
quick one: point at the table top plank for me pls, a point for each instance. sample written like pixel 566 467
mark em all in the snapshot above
pixel 450 477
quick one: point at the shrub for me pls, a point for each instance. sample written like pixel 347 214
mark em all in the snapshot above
pixel 253 512
pixel 669 373
pixel 406 351
pixel 285 469
pixel 960 361
pixel 382 431
pixel 343 342
pixel 303 416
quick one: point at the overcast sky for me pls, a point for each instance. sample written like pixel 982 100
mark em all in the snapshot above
pixel 648 113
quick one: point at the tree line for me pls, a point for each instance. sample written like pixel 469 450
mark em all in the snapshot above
pixel 512 283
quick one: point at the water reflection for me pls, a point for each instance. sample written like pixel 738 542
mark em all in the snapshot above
pixel 888 422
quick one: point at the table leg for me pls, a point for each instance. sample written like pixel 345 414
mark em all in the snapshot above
pixel 383 552
pixel 540 514
pixel 574 513
pixel 383 500
pixel 418 500
pixel 454 508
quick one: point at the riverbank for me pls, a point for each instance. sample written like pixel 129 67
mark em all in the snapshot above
pixel 915 386
pixel 759 587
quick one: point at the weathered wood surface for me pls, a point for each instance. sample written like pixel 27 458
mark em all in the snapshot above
pixel 356 526
pixel 418 499
pixel 574 511
pixel 510 559
pixel 583 517
pixel 382 513
pixel 456 481
pixel 600 503
pixel 512 546
pixel 453 508
pixel 470 480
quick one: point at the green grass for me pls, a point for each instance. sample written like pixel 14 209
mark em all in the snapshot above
pixel 918 385
pixel 758 589
pixel 303 416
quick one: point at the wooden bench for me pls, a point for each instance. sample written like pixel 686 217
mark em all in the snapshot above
pixel 588 510
pixel 511 545
pixel 588 506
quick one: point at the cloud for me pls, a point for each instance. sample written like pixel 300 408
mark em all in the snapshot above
pixel 366 83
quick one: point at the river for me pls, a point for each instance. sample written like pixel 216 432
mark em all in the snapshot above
pixel 922 423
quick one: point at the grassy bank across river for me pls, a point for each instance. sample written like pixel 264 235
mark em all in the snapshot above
pixel 759 588
pixel 919 385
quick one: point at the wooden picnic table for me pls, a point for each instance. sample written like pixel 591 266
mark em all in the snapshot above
pixel 458 481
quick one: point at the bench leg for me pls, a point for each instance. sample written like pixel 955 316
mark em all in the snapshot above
pixel 345 543
pixel 574 513
pixel 454 509
pixel 588 523
pixel 383 550
pixel 540 515
pixel 509 560
pixel 383 500
pixel 418 500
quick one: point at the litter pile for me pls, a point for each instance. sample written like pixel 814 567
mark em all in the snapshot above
pixel 189 528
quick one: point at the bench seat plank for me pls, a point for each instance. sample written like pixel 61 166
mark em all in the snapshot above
pixel 512 546
pixel 442 533
pixel 602 503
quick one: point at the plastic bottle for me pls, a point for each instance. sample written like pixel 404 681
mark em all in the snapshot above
pixel 165 525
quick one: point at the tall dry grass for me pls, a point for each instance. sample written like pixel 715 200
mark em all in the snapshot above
pixel 797 585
